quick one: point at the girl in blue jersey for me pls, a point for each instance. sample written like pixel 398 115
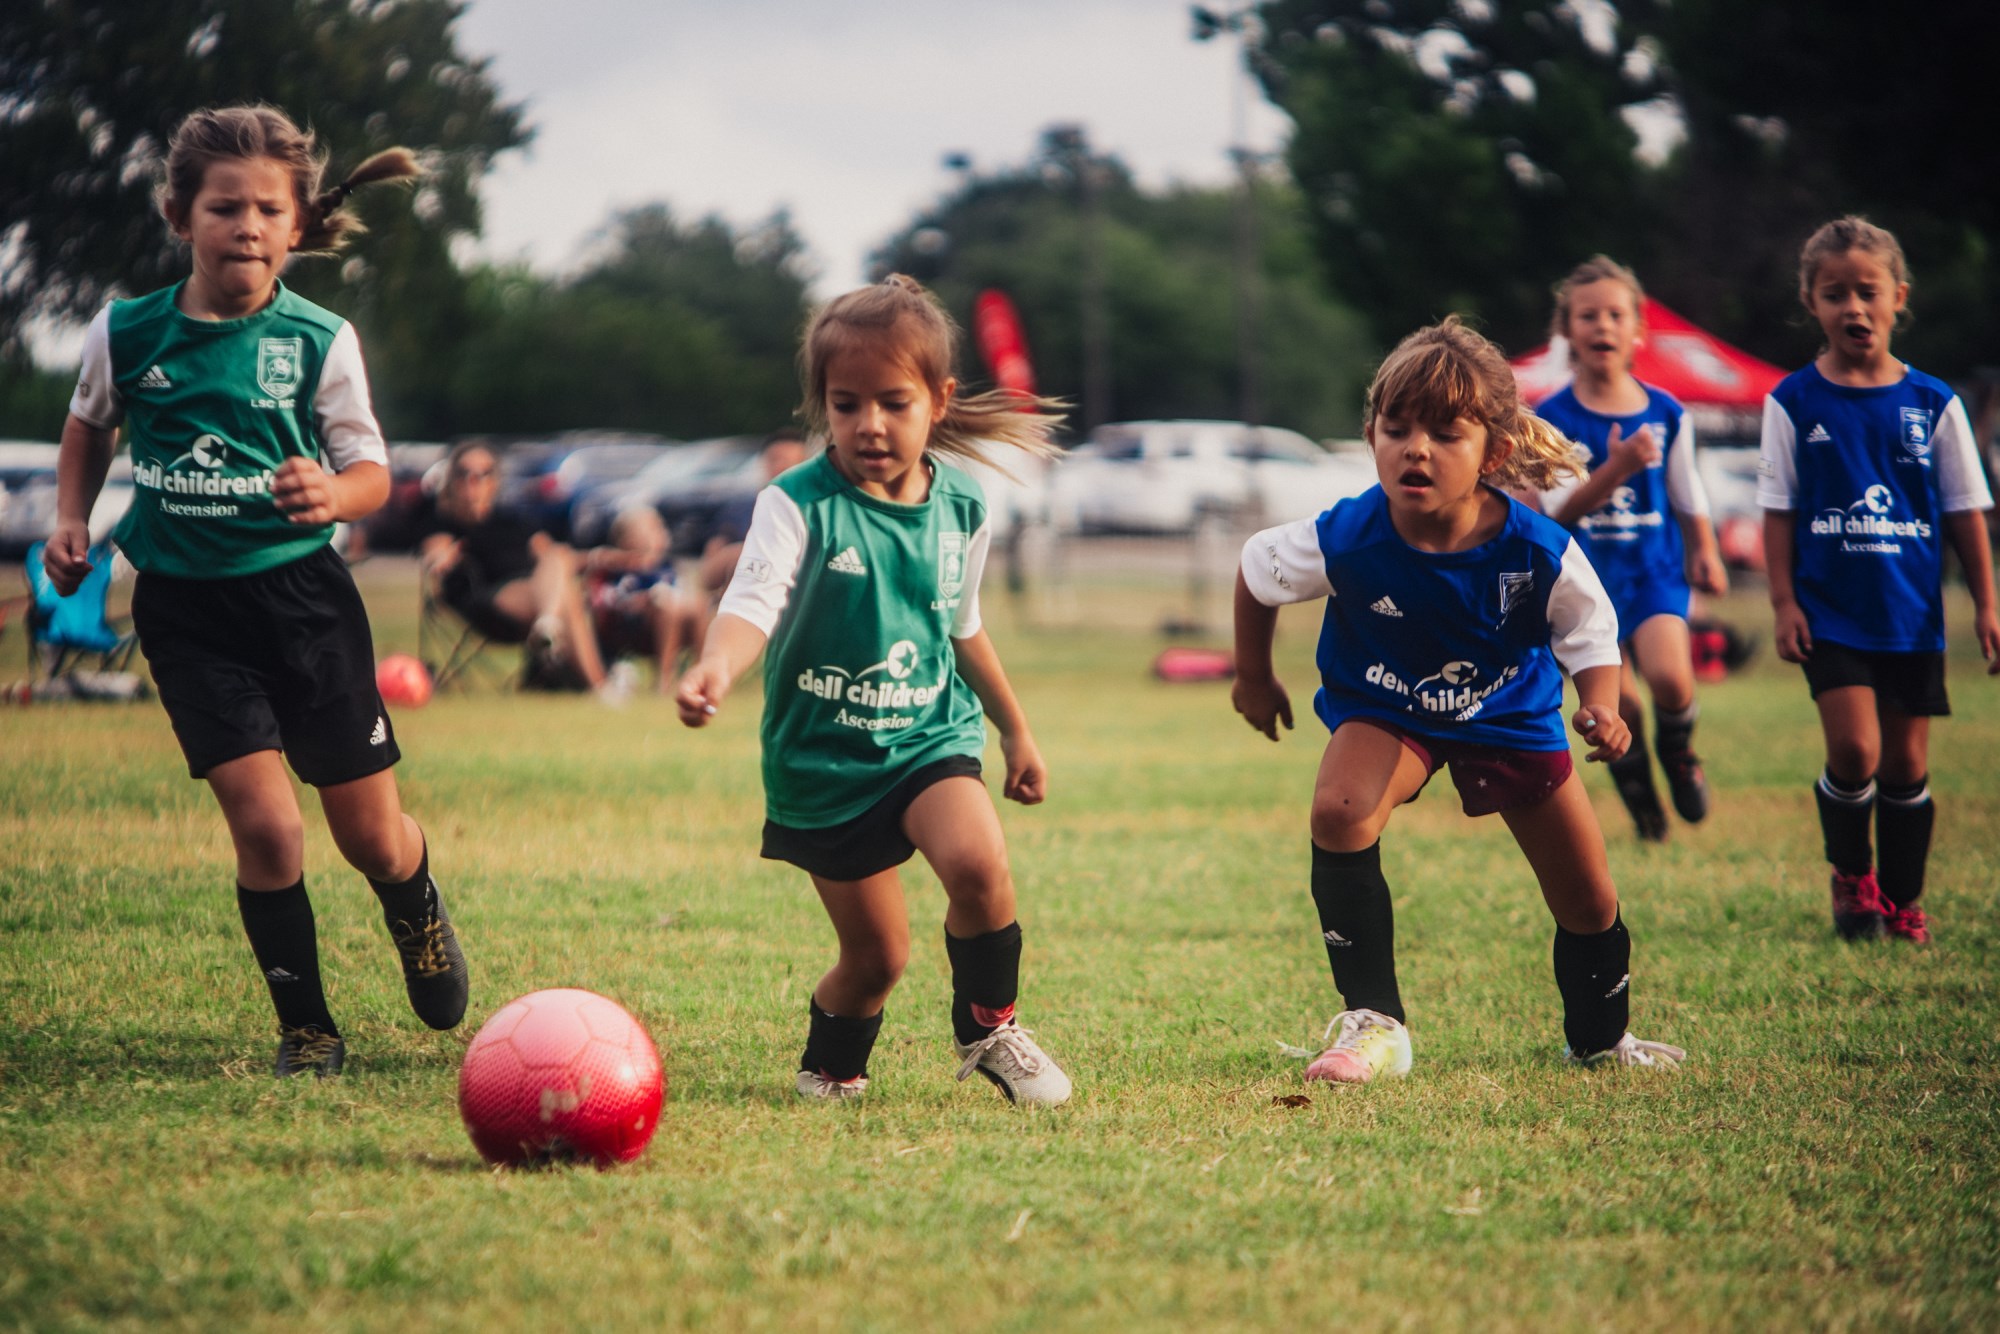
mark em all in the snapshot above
pixel 1868 464
pixel 859 585
pixel 1641 515
pixel 1452 613
pixel 251 432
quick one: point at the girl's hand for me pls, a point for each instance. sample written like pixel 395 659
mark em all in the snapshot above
pixel 1601 726
pixel 66 556
pixel 1263 704
pixel 1631 455
pixel 1988 629
pixel 1794 639
pixel 701 693
pixel 1706 572
pixel 1027 777
pixel 304 492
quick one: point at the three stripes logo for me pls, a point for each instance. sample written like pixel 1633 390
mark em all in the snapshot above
pixel 847 562
pixel 1386 606
pixel 155 378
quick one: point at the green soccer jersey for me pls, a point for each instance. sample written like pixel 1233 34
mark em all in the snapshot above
pixel 212 409
pixel 861 598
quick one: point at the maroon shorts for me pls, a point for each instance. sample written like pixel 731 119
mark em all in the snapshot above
pixel 1489 779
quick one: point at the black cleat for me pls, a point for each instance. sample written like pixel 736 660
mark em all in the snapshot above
pixel 1634 778
pixel 1688 785
pixel 434 969
pixel 314 1049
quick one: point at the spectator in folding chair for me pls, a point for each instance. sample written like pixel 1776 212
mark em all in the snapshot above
pixel 784 449
pixel 508 580
pixel 635 598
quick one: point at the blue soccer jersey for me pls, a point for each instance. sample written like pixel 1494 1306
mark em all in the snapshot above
pixel 1869 474
pixel 1466 646
pixel 1634 540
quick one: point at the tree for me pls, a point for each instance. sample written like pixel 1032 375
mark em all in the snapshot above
pixel 684 330
pixel 1168 281
pixel 90 90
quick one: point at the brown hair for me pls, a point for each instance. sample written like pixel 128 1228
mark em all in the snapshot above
pixel 899 318
pixel 1447 371
pixel 1596 269
pixel 1852 232
pixel 247 132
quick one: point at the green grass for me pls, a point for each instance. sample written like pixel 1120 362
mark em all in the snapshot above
pixel 1827 1159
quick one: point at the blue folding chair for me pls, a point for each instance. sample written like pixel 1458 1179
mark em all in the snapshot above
pixel 69 638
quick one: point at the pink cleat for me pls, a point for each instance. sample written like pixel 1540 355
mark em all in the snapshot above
pixel 1369 1044
pixel 1908 923
pixel 1858 908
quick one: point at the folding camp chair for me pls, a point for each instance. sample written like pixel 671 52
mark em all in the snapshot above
pixel 452 649
pixel 73 647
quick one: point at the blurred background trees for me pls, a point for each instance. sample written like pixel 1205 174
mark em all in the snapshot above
pixel 1449 155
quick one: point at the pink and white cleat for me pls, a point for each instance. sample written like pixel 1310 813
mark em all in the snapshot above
pixel 1370 1044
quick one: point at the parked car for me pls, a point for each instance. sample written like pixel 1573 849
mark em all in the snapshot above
pixel 30 513
pixel 1165 476
pixel 540 480
pixel 682 480
pixel 21 462
pixel 1729 475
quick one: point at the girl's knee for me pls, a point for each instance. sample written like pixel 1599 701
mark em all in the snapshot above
pixel 1342 824
pixel 272 841
pixel 877 970
pixel 1852 759
pixel 376 851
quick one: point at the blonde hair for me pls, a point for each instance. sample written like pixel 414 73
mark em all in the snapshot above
pixel 216 134
pixel 899 319
pixel 1852 232
pixel 1596 269
pixel 1444 372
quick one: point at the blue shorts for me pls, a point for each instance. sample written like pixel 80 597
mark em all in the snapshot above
pixel 1639 600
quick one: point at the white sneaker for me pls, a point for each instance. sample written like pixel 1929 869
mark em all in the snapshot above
pixel 619 682
pixel 1011 1058
pixel 1370 1044
pixel 1629 1050
pixel 813 1084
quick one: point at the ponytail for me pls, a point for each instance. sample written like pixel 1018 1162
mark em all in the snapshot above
pixel 327 225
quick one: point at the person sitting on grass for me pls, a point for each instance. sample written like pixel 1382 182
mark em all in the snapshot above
pixel 1452 612
pixel 508 580
pixel 635 599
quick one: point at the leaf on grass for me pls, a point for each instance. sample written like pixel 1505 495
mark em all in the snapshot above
pixel 1468 1205
pixel 1020 1224
pixel 1291 1100
pixel 1291 1053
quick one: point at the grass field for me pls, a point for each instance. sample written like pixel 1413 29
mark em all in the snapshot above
pixel 1829 1158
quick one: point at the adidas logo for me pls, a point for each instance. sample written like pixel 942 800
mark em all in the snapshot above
pixel 1817 435
pixel 380 736
pixel 282 975
pixel 1386 606
pixel 155 378
pixel 847 562
pixel 1623 983
pixel 1334 937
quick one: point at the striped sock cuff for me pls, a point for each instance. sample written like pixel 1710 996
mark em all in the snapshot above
pixel 1845 796
pixel 1916 794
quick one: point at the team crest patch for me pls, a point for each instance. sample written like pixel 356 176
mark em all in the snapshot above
pixel 1916 432
pixel 278 370
pixel 1514 586
pixel 951 563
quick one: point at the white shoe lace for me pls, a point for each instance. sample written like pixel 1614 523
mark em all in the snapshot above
pixel 1013 1042
pixel 1629 1050
pixel 1353 1026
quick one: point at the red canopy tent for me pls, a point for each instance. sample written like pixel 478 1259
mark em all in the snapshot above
pixel 1722 387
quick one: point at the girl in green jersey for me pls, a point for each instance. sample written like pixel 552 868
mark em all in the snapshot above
pixel 859 584
pixel 251 432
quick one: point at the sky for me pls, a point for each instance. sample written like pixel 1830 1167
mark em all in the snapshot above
pixel 840 111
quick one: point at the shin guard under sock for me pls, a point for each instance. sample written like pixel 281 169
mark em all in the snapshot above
pixel 1674 732
pixel 1903 820
pixel 1844 813
pixel 836 1046
pixel 285 940
pixel 407 901
pixel 985 981
pixel 1593 973
pixel 1358 924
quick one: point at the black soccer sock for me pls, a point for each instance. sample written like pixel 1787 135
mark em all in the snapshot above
pixel 1358 924
pixel 1593 973
pixel 407 901
pixel 1843 819
pixel 1903 820
pixel 837 1046
pixel 1675 731
pixel 985 981
pixel 279 923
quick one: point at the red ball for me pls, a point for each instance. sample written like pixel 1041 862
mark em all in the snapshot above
pixel 403 681
pixel 561 1076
